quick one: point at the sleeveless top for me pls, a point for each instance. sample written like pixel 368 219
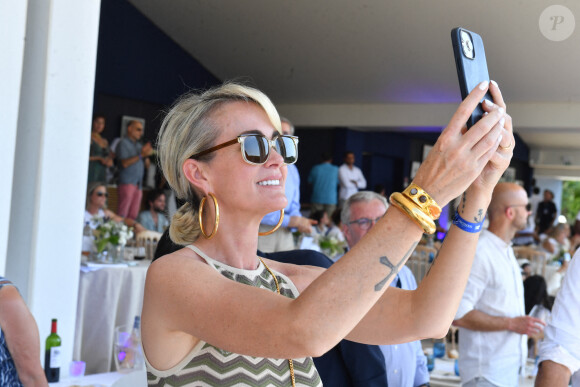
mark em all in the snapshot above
pixel 91 219
pixel 8 374
pixel 97 171
pixel 207 365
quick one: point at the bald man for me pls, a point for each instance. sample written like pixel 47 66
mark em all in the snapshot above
pixel 491 317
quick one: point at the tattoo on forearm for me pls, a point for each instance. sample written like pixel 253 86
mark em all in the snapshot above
pixel 394 269
pixel 479 216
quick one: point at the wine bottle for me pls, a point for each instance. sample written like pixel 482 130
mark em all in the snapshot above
pixel 87 239
pixel 52 355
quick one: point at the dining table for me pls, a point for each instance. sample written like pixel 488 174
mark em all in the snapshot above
pixel 107 379
pixel 110 295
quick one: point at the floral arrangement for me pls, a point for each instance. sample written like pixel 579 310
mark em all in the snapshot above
pixel 110 232
pixel 331 245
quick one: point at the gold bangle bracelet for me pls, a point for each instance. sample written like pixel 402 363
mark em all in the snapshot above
pixel 413 211
pixel 423 200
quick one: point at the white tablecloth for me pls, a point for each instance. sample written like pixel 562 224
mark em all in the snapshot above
pixel 108 297
pixel 111 379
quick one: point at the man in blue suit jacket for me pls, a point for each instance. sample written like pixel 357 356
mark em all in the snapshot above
pixel 348 363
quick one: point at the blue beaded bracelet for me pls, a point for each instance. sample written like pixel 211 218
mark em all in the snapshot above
pixel 465 225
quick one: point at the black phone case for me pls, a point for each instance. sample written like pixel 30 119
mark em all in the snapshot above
pixel 470 72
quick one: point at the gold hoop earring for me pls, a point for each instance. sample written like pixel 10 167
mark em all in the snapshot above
pixel 276 227
pixel 217 216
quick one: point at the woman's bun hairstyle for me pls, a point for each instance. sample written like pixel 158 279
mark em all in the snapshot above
pixel 188 129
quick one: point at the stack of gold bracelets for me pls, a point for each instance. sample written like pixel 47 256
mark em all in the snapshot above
pixel 417 205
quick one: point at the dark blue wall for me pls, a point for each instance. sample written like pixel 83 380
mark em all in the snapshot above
pixel 140 70
pixel 384 157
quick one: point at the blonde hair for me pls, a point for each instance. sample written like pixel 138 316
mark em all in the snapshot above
pixel 554 231
pixel 91 187
pixel 188 129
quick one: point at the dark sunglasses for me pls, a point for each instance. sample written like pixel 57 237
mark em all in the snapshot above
pixel 105 194
pixel 365 223
pixel 527 206
pixel 256 148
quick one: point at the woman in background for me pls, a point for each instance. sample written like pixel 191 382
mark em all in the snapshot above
pixel 99 157
pixel 96 207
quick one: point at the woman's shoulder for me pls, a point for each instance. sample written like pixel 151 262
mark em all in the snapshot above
pixel 5 281
pixel 182 268
pixel 9 294
pixel 180 262
pixel 182 257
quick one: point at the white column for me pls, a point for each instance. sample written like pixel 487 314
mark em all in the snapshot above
pixel 51 161
pixel 12 28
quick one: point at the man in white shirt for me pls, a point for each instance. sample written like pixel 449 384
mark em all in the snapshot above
pixel 560 350
pixel 350 178
pixel 491 317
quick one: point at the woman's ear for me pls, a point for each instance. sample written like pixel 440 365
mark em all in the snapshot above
pixel 196 174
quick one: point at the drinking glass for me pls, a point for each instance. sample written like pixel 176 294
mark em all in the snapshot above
pixel 140 251
pixel 127 350
pixel 76 370
pixel 542 313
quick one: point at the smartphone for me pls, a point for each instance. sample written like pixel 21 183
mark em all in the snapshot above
pixel 471 66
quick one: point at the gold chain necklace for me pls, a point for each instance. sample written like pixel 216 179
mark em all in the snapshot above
pixel 290 362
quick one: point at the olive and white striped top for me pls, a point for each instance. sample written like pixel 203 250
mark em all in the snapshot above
pixel 207 365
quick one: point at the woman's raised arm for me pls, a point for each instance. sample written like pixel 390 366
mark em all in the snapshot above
pixel 429 310
pixel 256 322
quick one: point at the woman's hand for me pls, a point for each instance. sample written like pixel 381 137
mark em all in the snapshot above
pixel 500 158
pixel 105 161
pixel 459 157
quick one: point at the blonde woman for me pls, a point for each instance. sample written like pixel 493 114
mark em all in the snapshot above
pixel 215 313
pixel 96 207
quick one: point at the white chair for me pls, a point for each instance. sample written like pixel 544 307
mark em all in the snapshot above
pixel 147 243
pixel 419 261
pixel 153 236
